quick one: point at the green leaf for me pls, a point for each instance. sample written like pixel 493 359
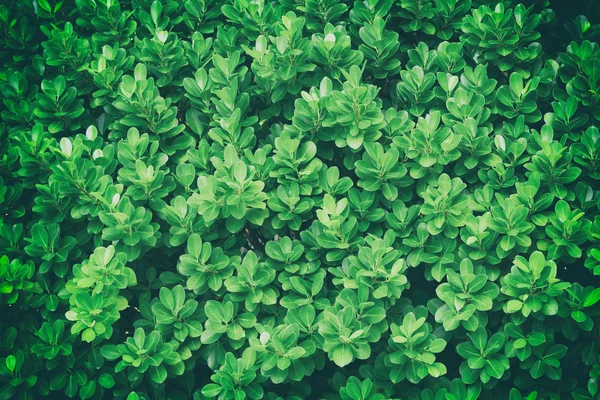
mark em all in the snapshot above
pixel 341 355
pixel 211 390
pixel 592 298
pixel 158 374
pixel 88 390
pixel 11 362
pixel 106 381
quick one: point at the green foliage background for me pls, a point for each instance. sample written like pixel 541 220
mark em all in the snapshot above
pixel 299 199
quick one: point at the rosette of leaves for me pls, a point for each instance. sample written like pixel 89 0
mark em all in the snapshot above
pixel 545 360
pixel 371 313
pixel 236 378
pixel 93 293
pixel 232 193
pixel 107 70
pixel 355 111
pixel 578 66
pixel 466 295
pixel 57 106
pixel 402 217
pixel 518 99
pixel 201 16
pixel 281 64
pixel 429 145
pixel 109 21
pixel 504 36
pixel 424 247
pixel 251 283
pixel 253 19
pixel 380 170
pixel 379 268
pixel 155 14
pixel 198 92
pixel 35 156
pixel 143 169
pixel 174 314
pixel 416 16
pixel 362 208
pixel 499 176
pixel 94 314
pixel 291 208
pixel 467 116
pixel 205 267
pixel 334 231
pixel 510 220
pixel 223 318
pixel 295 162
pixel 478 238
pixel 449 16
pixel 477 79
pixel 355 389
pixel 531 195
pixel 345 338
pixel 380 47
pixel 321 13
pixel 228 82
pixel 332 50
pixel 567 230
pixel 331 182
pixel 448 84
pixel 554 163
pixel 310 111
pixel 532 286
pixel 414 93
pixel 130 227
pixel 304 287
pixel 163 55
pixel 578 311
pixel 66 51
pixel 365 12
pixel 53 343
pixel 449 57
pixel 280 354
pixel 483 356
pixel 398 123
pixel 306 319
pixel 142 353
pixel 104 268
pixel 140 105
pixel 565 119
pixel 18 99
pixel 586 152
pixel 284 254
pixel 413 347
pixel 199 48
pixel 85 188
pixel 520 342
pixel 443 256
pixel 16 279
pixel 445 206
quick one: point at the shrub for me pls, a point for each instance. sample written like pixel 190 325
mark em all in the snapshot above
pixel 316 199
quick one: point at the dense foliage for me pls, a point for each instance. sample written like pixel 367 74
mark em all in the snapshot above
pixel 299 199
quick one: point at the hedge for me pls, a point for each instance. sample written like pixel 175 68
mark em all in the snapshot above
pixel 299 199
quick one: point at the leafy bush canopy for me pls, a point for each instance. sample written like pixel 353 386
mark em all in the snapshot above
pixel 285 200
